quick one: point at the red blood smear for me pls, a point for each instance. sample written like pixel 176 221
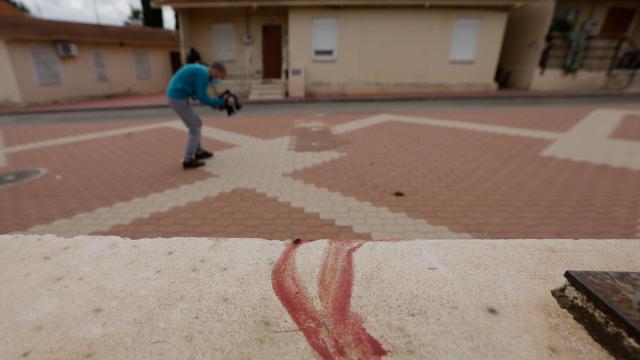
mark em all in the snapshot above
pixel 333 330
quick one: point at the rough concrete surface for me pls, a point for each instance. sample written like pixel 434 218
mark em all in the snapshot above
pixel 189 298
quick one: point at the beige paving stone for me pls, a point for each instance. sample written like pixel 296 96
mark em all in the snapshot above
pixel 262 165
pixel 102 219
pixel 256 164
pixel 495 129
pixel 589 142
pixel 86 137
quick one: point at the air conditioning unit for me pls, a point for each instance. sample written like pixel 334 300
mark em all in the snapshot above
pixel 66 49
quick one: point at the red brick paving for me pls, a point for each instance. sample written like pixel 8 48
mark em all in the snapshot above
pixel 269 127
pixel 239 213
pixel 24 134
pixel 629 129
pixel 534 118
pixel 87 175
pixel 314 139
pixel 491 186
pixel 487 185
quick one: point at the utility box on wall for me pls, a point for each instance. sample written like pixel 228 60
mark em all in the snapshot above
pixel 297 83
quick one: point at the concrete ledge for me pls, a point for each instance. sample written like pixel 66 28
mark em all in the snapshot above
pixel 107 297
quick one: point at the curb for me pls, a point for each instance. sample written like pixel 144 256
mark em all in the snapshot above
pixel 368 99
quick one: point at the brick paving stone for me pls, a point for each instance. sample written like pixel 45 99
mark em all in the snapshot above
pixel 489 185
pixel 24 134
pixel 271 127
pixel 487 181
pixel 629 129
pixel 87 175
pixel 211 218
pixel 534 118
pixel 314 139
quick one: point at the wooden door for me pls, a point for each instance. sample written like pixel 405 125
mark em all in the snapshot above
pixel 176 62
pixel 271 51
pixel 618 21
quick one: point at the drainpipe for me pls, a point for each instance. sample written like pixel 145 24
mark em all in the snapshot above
pixel 182 33
pixel 248 51
pixel 592 9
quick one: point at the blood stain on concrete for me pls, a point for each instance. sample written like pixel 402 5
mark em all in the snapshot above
pixel 334 331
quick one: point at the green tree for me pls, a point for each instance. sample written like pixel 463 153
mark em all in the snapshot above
pixel 150 16
pixel 135 18
pixel 19 5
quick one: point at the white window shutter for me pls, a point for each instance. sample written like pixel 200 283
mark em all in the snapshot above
pixel 325 38
pixel 141 65
pixel 464 45
pixel 99 66
pixel 46 65
pixel 224 42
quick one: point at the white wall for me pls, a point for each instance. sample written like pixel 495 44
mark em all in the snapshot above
pixel 78 74
pixel 395 50
pixel 9 92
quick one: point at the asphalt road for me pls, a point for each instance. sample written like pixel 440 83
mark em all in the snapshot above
pixel 317 108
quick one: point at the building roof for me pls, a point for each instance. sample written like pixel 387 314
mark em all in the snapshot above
pixel 30 28
pixel 8 9
pixel 255 3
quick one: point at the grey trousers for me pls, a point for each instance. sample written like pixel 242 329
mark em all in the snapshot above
pixel 192 122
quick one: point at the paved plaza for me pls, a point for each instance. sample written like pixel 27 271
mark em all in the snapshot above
pixel 196 283
pixel 515 172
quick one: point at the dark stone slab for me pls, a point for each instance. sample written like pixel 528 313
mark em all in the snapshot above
pixel 617 294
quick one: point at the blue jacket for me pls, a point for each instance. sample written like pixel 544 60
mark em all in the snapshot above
pixel 192 80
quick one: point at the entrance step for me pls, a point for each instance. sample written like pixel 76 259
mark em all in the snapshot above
pixel 267 89
pixel 624 80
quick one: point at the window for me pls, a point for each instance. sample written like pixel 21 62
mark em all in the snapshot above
pixel 141 65
pixel 325 38
pixel 99 66
pixel 465 40
pixel 46 65
pixel 223 42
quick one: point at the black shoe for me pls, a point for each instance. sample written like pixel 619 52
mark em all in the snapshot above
pixel 192 164
pixel 203 154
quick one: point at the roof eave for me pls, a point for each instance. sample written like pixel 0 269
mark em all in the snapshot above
pixel 383 3
pixel 90 40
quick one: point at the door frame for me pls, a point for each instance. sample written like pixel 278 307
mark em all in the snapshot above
pixel 279 53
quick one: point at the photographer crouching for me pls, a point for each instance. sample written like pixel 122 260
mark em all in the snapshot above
pixel 192 80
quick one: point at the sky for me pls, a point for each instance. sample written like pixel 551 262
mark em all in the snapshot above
pixel 111 12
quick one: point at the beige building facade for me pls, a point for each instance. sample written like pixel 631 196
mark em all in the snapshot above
pixel 314 48
pixel 536 46
pixel 50 61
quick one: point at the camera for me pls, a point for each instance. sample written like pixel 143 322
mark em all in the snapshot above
pixel 231 109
